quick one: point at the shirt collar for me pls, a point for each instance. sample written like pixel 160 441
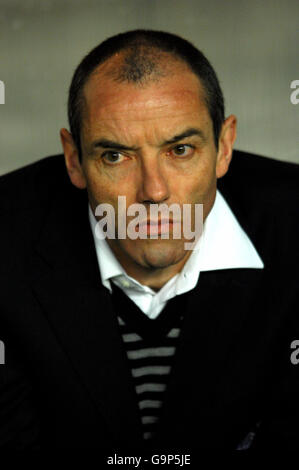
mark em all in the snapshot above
pixel 225 245
pixel 108 263
pixel 222 245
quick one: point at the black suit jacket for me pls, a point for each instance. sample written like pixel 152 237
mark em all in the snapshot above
pixel 66 382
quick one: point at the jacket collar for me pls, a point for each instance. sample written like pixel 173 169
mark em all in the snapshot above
pixel 66 281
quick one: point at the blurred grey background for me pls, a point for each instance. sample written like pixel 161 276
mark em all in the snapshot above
pixel 253 46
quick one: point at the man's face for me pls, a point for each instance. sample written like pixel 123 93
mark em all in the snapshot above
pixel 133 145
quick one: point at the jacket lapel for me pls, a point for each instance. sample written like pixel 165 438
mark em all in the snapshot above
pixel 67 283
pixel 217 314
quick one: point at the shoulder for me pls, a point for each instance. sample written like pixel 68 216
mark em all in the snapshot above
pixel 268 167
pixel 262 181
pixel 27 197
pixel 263 193
pixel 32 185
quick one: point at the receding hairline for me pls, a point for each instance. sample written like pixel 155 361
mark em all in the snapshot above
pixel 166 64
pixel 139 66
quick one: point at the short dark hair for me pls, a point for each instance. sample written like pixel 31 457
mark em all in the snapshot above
pixel 137 40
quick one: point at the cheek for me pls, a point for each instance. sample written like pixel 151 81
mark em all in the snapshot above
pixel 98 184
pixel 198 186
pixel 103 189
pixel 98 190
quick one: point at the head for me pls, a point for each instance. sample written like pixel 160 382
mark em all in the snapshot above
pixel 140 46
pixel 147 122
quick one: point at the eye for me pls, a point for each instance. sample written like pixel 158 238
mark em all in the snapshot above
pixel 183 150
pixel 112 157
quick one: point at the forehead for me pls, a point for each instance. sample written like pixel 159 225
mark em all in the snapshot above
pixel 166 100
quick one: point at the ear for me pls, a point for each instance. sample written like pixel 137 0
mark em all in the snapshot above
pixel 72 161
pixel 227 138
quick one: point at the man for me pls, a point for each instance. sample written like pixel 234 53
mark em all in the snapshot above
pixel 138 343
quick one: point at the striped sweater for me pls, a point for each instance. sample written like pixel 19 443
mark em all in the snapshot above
pixel 150 346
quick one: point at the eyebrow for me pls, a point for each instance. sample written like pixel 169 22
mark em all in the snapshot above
pixel 190 132
pixel 110 144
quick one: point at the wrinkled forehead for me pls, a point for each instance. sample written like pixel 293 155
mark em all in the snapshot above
pixel 174 87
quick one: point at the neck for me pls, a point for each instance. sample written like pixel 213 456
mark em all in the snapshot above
pixel 150 276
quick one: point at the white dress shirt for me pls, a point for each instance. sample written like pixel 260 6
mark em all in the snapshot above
pixel 222 245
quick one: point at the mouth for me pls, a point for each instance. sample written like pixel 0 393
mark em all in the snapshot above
pixel 152 227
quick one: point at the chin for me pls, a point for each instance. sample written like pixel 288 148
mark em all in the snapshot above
pixel 159 255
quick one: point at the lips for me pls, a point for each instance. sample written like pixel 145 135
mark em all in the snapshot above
pixel 156 222
pixel 154 227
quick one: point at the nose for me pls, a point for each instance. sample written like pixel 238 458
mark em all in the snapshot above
pixel 153 186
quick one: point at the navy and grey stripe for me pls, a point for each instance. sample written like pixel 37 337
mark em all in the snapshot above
pixel 150 365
